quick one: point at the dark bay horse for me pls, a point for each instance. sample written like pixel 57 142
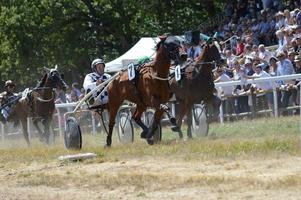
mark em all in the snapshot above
pixel 150 89
pixel 39 104
pixel 196 86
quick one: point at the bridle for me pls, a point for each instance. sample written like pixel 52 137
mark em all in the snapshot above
pixel 50 77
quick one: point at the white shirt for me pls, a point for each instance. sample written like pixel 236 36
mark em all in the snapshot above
pixel 264 85
pixel 285 67
pixel 226 89
pixel 266 55
pixel 90 84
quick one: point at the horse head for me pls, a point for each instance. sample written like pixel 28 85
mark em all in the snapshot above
pixel 54 79
pixel 208 59
pixel 172 48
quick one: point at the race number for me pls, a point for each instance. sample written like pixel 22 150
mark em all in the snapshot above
pixel 131 71
pixel 178 73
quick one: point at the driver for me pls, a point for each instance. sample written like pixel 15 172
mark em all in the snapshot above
pixel 94 79
pixel 9 89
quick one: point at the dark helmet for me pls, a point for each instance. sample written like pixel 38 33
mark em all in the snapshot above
pixel 95 62
pixel 9 83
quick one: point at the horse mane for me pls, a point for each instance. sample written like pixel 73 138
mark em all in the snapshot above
pixel 42 81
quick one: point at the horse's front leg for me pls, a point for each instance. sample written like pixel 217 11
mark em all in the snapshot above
pixel 137 117
pixel 41 134
pixel 46 123
pixel 184 108
pixel 24 128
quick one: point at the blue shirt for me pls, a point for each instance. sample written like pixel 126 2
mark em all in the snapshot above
pixel 285 67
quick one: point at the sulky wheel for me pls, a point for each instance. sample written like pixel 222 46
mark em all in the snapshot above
pixel 200 125
pixel 72 134
pixel 125 128
pixel 149 115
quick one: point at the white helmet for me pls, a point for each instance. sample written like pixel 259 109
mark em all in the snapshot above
pixel 97 61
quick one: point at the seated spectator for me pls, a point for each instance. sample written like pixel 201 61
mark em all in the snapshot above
pixel 239 46
pixel 281 41
pixel 264 54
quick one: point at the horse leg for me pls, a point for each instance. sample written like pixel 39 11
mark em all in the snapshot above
pixel 156 120
pixel 113 109
pixel 25 132
pixel 183 110
pixel 137 117
pixel 46 129
pixel 189 124
pixel 35 123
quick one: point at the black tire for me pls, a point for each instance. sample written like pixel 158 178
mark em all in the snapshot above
pixel 149 115
pixel 200 125
pixel 72 134
pixel 125 128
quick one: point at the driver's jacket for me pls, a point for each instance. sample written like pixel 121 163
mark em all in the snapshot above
pixel 6 97
pixel 90 84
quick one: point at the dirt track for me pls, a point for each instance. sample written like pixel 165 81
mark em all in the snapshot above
pixel 156 178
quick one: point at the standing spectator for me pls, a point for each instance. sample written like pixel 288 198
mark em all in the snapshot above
pixel 295 91
pixel 194 51
pixel 76 89
pixel 228 104
pixel 284 67
pixel 60 95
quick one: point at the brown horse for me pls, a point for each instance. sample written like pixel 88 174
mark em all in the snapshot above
pixel 196 86
pixel 150 89
pixel 39 104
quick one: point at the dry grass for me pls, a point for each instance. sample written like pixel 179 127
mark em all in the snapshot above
pixel 237 158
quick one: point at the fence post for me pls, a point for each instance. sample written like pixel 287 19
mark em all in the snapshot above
pixel 221 111
pixel 300 113
pixel 275 101
pixel 59 121
pixel 93 123
pixel 2 131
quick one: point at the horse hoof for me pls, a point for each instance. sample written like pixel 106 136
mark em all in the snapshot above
pixel 143 135
pixel 106 146
pixel 173 121
pixel 150 141
pixel 175 128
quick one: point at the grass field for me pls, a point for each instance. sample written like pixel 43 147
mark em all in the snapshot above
pixel 258 159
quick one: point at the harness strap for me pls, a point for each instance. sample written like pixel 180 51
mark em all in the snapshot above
pixel 46 100
pixel 159 78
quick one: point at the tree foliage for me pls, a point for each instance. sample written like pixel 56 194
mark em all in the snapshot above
pixel 70 33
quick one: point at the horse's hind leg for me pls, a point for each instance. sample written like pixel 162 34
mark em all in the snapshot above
pixel 189 124
pixel 113 109
pixel 137 117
